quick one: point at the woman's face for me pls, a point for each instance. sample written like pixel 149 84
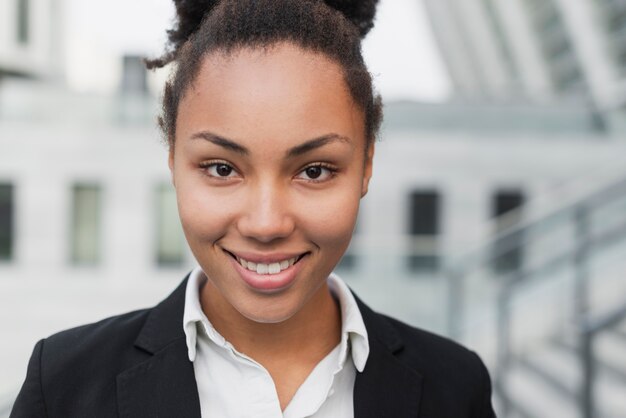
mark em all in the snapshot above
pixel 269 166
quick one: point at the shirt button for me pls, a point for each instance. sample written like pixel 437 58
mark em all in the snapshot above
pixel 331 392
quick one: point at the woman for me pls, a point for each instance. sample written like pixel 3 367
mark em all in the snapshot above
pixel 270 118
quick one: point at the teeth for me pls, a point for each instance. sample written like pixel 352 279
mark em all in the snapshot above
pixel 272 268
pixel 262 268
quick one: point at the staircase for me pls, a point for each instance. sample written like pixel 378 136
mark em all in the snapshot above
pixel 553 329
pixel 545 381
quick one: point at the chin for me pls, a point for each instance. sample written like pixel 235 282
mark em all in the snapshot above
pixel 264 317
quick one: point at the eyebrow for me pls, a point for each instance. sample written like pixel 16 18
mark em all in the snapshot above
pixel 298 150
pixel 315 143
pixel 222 142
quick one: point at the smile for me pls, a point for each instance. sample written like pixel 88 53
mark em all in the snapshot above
pixel 271 268
pixel 267 273
pixel 266 264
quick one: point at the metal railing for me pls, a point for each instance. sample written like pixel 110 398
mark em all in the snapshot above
pixel 587 241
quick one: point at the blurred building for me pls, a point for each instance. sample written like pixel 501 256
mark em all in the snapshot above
pixel 536 50
pixel 559 304
pixel 31 42
pixel 89 227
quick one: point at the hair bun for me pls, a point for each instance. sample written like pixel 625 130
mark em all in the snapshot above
pixel 189 17
pixel 360 12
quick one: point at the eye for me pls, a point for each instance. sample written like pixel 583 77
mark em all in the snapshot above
pixel 317 173
pixel 220 170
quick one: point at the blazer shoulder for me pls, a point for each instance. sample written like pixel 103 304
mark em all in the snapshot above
pixel 108 342
pixel 446 365
pixel 428 342
pixel 119 328
pixel 436 356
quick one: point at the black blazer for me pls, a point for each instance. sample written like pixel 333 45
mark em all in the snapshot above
pixel 135 365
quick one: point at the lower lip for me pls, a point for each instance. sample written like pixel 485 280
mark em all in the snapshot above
pixel 268 283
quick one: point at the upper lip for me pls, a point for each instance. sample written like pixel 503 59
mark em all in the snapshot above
pixel 266 258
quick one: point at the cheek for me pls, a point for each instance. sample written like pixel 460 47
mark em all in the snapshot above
pixel 204 217
pixel 330 217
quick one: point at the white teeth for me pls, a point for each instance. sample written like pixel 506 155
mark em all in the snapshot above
pixel 274 268
pixel 262 268
pixel 271 268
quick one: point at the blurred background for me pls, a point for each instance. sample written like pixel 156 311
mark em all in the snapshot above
pixel 496 215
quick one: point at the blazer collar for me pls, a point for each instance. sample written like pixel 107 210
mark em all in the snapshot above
pixel 387 387
pixel 164 324
pixel 164 385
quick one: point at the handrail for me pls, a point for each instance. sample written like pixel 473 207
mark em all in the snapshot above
pixel 589 329
pixel 609 320
pixel 508 239
pixel 519 236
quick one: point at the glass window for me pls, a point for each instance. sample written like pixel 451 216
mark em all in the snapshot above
pixel 23 21
pixel 170 240
pixel 424 210
pixel 505 209
pixel 556 46
pixel 6 221
pixel 612 16
pixel 85 223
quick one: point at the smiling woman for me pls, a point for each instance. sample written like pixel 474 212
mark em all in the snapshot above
pixel 287 181
pixel 270 117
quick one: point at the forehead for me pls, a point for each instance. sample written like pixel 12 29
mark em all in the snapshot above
pixel 271 91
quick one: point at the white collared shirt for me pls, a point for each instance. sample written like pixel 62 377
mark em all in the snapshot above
pixel 232 385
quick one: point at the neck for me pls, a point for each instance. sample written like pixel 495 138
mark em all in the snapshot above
pixel 308 336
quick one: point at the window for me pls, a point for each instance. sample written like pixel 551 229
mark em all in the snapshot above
pixel 505 207
pixel 612 19
pixel 170 240
pixel 23 21
pixel 556 46
pixel 134 75
pixel 6 221
pixel 424 209
pixel 85 224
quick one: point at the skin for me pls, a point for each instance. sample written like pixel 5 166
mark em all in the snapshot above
pixel 265 201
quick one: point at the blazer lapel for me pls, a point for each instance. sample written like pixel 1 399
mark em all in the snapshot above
pixel 386 387
pixel 164 385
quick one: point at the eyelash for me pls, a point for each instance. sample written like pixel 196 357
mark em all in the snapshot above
pixel 332 170
pixel 208 164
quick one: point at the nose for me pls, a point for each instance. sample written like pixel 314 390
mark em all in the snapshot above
pixel 267 216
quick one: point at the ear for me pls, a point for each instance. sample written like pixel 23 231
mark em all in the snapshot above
pixel 170 163
pixel 367 170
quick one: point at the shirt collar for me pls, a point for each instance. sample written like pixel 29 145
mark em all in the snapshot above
pixel 353 332
pixel 193 310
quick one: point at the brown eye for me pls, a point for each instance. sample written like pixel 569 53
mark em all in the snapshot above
pixel 223 170
pixel 220 170
pixel 317 173
pixel 314 172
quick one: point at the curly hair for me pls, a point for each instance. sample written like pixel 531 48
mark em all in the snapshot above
pixel 331 27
